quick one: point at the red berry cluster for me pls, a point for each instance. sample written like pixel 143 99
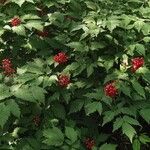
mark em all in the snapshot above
pixel 15 21
pixel 7 67
pixel 110 90
pixel 43 33
pixel 137 63
pixel 61 58
pixel 89 143
pixel 63 80
pixel 37 120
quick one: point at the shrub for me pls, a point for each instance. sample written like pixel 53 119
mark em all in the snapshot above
pixel 74 74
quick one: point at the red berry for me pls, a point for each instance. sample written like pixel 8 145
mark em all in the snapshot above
pixel 137 63
pixel 9 71
pixel 63 80
pixel 89 143
pixel 6 63
pixel 61 58
pixel 43 33
pixel 7 67
pixel 15 21
pixel 110 90
pixel 37 120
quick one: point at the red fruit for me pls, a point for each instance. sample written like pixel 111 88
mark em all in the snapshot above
pixel 110 90
pixel 63 80
pixel 6 63
pixel 9 71
pixel 89 143
pixel 37 120
pixel 15 21
pixel 137 63
pixel 61 58
pixel 7 67
pixel 43 33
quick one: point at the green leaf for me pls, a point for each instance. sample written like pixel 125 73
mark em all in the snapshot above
pixel 144 139
pixel 112 24
pixel 71 134
pixel 59 111
pixel 140 49
pixel 108 147
pixel 14 108
pixel 24 94
pixel 54 137
pixel 76 105
pixel 131 120
pixel 97 46
pixel 20 30
pixel 92 107
pixel 4 92
pixel 145 114
pixel 4 114
pixel 90 70
pixel 117 124
pixel 34 24
pixel 38 93
pixel 125 89
pixel 138 25
pixel 108 116
pixel 19 2
pixel 77 46
pixel 136 145
pixel 146 39
pixel 139 89
pixel 128 130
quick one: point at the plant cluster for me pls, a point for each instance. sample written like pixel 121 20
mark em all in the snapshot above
pixel 74 74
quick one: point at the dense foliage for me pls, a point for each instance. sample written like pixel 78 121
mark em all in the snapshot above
pixel 74 74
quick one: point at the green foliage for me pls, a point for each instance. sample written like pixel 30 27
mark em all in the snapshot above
pixel 100 38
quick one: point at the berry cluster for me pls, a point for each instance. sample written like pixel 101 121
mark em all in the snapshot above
pixel 137 63
pixel 110 90
pixel 61 58
pixel 15 21
pixel 63 80
pixel 37 120
pixel 7 67
pixel 89 143
pixel 43 33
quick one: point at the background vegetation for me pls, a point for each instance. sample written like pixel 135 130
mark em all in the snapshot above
pixel 74 74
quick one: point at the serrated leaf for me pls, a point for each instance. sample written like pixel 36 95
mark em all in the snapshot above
pixel 14 108
pixel 109 116
pixel 76 106
pixel 24 94
pixel 140 49
pixel 53 137
pixel 131 121
pixel 20 30
pixel 117 124
pixel 136 144
pixel 125 89
pixel 128 130
pixel 4 92
pixel 145 114
pixel 59 111
pixel 93 107
pixel 138 88
pixel 90 70
pixel 144 139
pixel 38 93
pixel 108 147
pixel 34 24
pixel 4 114
pixel 19 2
pixel 71 134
